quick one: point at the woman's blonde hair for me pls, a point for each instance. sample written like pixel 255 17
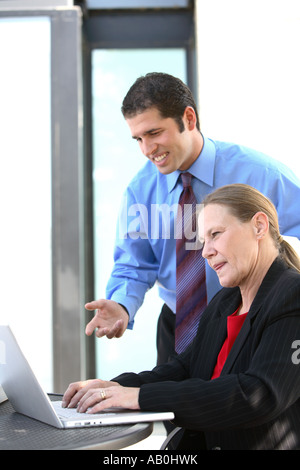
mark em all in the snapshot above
pixel 244 202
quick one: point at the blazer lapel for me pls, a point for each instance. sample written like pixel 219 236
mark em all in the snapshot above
pixel 272 275
pixel 215 334
pixel 237 346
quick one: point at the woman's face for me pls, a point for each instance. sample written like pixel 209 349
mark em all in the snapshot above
pixel 230 246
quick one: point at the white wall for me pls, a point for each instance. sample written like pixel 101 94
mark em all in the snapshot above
pixel 249 74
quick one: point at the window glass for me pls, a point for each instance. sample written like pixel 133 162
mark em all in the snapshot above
pixel 117 159
pixel 25 188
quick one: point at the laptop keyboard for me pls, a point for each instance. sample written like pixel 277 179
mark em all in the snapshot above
pixel 72 413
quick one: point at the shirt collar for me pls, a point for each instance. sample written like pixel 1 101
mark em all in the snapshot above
pixel 202 168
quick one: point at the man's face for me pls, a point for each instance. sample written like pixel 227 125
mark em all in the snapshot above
pixel 161 141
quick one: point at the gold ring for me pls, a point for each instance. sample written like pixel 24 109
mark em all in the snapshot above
pixel 103 394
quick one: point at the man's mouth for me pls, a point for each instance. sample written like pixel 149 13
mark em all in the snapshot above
pixel 160 158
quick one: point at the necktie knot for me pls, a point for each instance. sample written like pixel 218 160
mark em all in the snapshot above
pixel 186 179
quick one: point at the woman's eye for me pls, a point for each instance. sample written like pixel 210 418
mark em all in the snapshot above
pixel 215 234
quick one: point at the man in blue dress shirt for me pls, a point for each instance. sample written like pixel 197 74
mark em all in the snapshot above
pixel 162 117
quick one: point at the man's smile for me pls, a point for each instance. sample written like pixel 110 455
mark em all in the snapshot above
pixel 160 158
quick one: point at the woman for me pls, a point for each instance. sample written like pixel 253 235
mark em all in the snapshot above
pixel 236 386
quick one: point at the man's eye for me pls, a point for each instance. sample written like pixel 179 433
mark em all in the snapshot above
pixel 155 133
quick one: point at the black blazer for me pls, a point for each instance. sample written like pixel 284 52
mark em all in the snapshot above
pixel 255 403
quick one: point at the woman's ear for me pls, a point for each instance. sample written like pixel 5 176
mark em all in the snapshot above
pixel 261 224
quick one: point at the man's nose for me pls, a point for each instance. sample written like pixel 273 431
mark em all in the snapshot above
pixel 149 148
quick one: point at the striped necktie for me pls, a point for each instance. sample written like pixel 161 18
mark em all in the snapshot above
pixel 191 297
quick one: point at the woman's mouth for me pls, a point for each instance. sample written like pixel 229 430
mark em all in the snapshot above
pixel 218 267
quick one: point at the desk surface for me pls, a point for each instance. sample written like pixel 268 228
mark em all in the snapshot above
pixel 18 432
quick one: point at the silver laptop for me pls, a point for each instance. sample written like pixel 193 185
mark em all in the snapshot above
pixel 27 396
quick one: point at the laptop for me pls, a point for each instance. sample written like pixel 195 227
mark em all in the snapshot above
pixel 28 398
pixel 3 397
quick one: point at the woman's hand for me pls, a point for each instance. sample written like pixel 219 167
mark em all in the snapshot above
pixel 98 399
pixel 77 390
pixel 96 395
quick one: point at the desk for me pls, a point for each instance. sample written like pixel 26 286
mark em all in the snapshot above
pixel 18 432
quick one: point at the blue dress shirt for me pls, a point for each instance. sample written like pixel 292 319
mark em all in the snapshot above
pixel 145 244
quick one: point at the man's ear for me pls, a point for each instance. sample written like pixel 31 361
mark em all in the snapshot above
pixel 190 118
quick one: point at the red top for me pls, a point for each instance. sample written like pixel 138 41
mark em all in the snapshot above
pixel 234 324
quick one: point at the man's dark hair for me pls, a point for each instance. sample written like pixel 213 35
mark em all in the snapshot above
pixel 162 91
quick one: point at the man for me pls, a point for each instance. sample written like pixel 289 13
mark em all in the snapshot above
pixel 162 117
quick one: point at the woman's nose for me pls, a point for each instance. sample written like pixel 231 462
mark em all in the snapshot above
pixel 204 251
pixel 207 250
